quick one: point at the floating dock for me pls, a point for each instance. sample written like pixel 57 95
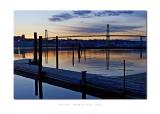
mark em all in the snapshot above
pixel 96 85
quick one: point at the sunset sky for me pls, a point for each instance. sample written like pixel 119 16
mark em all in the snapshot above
pixel 59 23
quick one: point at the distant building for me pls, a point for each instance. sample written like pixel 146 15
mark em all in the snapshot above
pixel 23 36
pixel 17 38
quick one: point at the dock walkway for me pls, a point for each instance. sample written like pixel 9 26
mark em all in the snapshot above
pixel 100 86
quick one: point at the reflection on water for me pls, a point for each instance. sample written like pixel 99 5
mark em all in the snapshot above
pixel 25 88
pixel 96 61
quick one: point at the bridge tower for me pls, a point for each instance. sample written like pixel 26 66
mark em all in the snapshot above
pixel 107 36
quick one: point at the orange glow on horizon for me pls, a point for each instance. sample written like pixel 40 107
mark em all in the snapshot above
pixel 30 36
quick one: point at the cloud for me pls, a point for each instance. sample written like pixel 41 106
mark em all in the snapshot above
pixel 61 17
pixel 112 13
pixel 72 14
pixel 82 12
pixel 87 29
pixel 102 29
pixel 140 14
pixel 124 28
pixel 95 13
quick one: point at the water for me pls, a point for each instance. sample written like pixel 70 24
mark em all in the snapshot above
pixel 24 88
pixel 95 61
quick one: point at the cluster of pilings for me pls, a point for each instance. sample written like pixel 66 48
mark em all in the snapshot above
pixel 38 49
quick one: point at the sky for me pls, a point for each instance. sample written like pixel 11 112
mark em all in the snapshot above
pixel 79 22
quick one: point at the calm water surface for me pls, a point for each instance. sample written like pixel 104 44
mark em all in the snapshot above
pixel 95 61
pixel 24 88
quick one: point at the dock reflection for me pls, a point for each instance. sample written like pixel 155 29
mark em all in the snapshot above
pixel 141 54
pixel 46 56
pixel 73 55
pixel 107 58
pixel 83 95
pixel 39 89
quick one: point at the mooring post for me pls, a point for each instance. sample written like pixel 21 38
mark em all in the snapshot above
pixel 46 38
pixel 83 94
pixel 84 54
pixel 40 90
pixel 79 52
pixel 84 78
pixel 124 77
pixel 36 87
pixel 35 47
pixel 107 58
pixel 141 46
pixel 83 84
pixel 72 55
pixel 23 55
pixel 40 68
pixel 40 56
pixel 57 52
pixel 141 38
pixel 46 44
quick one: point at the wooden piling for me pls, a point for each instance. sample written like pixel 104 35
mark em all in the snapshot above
pixel 40 56
pixel 141 39
pixel 79 53
pixel 141 46
pixel 83 94
pixel 40 67
pixel 35 47
pixel 140 53
pixel 46 45
pixel 46 38
pixel 36 87
pixel 40 90
pixel 72 55
pixel 83 84
pixel 124 77
pixel 84 78
pixel 107 58
pixel 23 55
pixel 84 54
pixel 57 52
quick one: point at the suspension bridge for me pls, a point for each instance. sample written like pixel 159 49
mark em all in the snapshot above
pixel 133 33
